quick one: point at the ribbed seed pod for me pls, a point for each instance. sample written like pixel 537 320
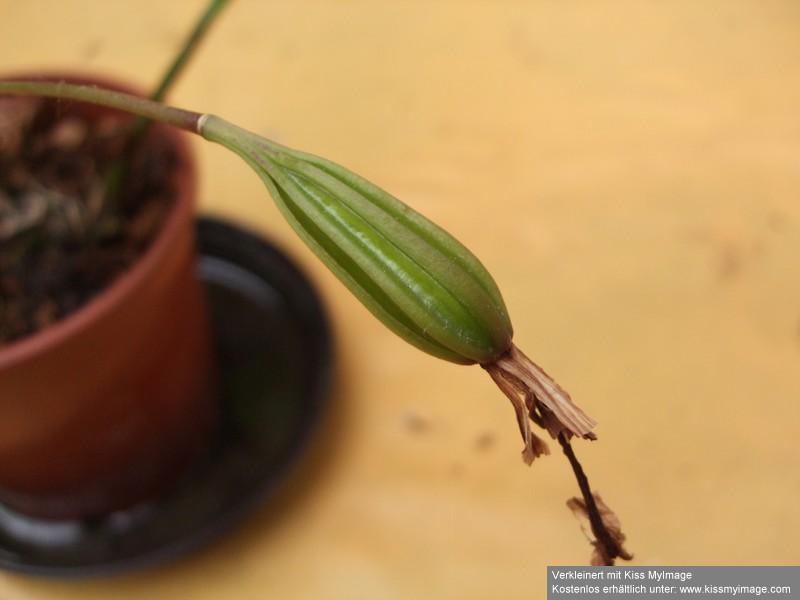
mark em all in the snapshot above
pixel 415 277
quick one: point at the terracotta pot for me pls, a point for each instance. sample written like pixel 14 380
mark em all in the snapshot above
pixel 108 407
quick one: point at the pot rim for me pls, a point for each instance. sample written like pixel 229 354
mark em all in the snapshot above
pixel 129 280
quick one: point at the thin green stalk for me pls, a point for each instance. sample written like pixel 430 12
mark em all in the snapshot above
pixel 179 63
pixel 188 49
pixel 118 171
pixel 143 107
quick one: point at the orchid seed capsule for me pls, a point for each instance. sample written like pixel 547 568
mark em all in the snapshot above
pixel 415 277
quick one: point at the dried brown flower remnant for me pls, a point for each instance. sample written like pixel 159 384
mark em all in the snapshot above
pixel 603 556
pixel 536 396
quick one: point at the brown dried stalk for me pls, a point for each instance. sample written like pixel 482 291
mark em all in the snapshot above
pixel 604 523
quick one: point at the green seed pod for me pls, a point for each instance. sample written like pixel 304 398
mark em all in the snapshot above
pixel 415 277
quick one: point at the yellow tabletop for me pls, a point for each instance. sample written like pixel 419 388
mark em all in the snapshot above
pixel 630 174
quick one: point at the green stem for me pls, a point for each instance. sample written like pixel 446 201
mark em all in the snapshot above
pixel 117 174
pixel 177 117
pixel 186 52
pixel 188 48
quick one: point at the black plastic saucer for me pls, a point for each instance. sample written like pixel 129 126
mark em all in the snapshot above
pixel 274 351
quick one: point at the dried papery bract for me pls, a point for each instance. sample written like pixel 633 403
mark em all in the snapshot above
pixel 536 396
